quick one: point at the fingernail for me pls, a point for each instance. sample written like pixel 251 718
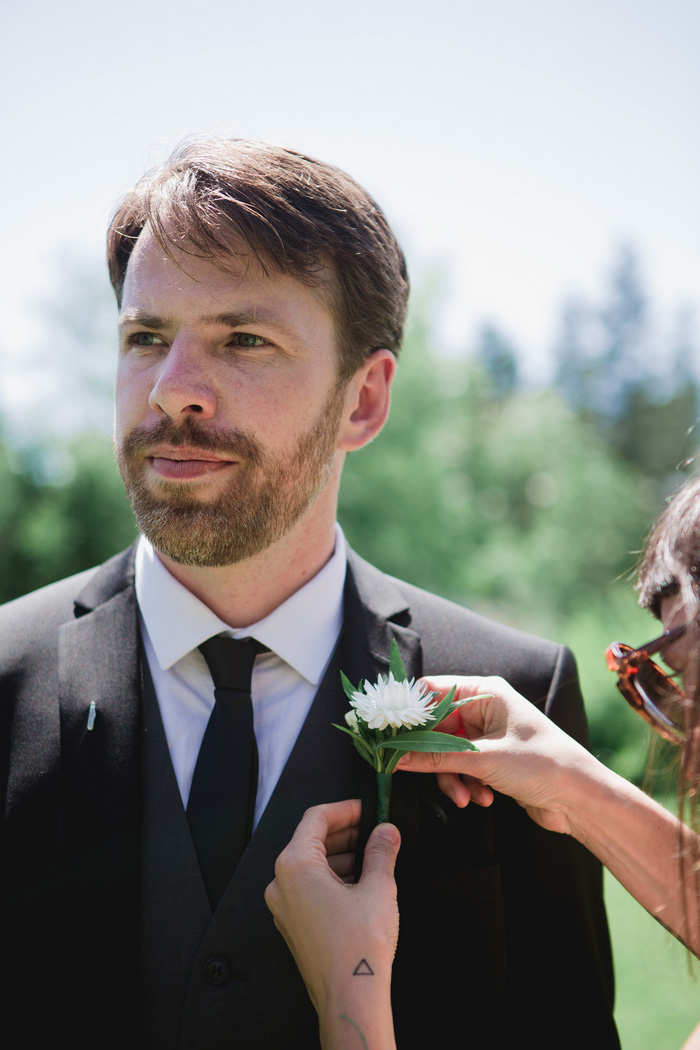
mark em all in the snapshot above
pixel 388 832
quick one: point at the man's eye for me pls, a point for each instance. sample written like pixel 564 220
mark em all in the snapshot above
pixel 247 339
pixel 144 339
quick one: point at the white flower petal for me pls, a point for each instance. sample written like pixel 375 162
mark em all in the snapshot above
pixel 392 703
pixel 351 721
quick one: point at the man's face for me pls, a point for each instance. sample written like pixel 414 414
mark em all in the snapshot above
pixel 228 406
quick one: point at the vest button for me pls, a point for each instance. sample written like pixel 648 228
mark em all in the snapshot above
pixel 216 970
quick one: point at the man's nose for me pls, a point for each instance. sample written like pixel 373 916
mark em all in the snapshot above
pixel 183 386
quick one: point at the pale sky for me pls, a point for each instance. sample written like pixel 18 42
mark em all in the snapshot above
pixel 513 144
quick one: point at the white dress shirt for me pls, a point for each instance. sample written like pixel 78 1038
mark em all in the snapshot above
pixel 301 634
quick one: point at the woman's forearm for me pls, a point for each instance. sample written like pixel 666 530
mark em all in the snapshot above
pixel 639 842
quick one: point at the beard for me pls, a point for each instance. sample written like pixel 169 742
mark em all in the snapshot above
pixel 264 499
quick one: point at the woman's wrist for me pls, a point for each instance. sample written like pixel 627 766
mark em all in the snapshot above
pixel 354 1004
pixel 591 797
pixel 356 1013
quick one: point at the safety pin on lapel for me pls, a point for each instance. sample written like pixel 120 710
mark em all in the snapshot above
pixel 92 713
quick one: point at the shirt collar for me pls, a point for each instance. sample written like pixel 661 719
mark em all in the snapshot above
pixel 302 631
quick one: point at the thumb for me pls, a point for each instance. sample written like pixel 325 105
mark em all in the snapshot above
pixel 380 852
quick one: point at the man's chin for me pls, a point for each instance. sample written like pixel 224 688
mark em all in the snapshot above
pixel 204 552
pixel 203 557
pixel 204 535
pixel 187 531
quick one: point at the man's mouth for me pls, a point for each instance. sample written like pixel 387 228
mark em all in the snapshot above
pixel 183 464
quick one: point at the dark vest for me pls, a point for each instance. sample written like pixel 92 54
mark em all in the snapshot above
pixel 223 980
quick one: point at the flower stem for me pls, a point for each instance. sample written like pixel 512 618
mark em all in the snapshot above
pixel 383 796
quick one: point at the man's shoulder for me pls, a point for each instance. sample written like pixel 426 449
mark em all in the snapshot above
pixel 439 618
pixel 34 617
pixel 457 640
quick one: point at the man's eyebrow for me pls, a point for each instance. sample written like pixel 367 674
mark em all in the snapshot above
pixel 136 317
pixel 243 317
pixel 230 320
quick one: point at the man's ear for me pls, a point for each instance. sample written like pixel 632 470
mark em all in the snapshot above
pixel 367 401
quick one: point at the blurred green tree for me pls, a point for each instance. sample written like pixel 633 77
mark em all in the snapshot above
pixel 512 504
pixel 49 530
pixel 501 499
pixel 613 368
pixel 499 360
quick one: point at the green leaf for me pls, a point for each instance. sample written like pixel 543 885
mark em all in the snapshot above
pixel 344 729
pixel 442 710
pixel 396 666
pixel 362 746
pixel 367 734
pixel 386 761
pixel 426 740
pixel 390 766
pixel 348 687
pixel 469 699
pixel 387 733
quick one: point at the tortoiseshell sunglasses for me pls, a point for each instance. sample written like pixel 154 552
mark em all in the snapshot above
pixel 649 689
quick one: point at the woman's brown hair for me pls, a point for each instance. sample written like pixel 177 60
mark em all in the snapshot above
pixel 670 567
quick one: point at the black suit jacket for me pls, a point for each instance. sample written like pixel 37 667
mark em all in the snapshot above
pixel 503 930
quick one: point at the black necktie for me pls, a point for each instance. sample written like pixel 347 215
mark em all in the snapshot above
pixel 222 797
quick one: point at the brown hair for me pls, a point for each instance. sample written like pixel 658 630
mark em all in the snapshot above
pixel 670 566
pixel 292 213
pixel 672 555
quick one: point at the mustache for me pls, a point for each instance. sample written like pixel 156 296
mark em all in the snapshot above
pixel 229 442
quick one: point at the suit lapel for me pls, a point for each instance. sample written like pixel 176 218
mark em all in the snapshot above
pixel 376 612
pixel 99 664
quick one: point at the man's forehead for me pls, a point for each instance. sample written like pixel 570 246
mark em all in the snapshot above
pixel 156 256
pixel 157 263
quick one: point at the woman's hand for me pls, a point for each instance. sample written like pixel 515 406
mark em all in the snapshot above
pixel 522 753
pixel 342 935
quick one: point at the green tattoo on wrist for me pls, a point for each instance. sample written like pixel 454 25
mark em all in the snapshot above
pixel 357 1028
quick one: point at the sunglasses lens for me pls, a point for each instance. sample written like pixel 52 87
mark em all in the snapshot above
pixel 649 690
pixel 662 700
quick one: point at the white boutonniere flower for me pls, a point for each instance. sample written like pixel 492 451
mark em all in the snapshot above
pixel 387 718
pixel 391 702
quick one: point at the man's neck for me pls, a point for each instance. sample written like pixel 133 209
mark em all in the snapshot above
pixel 246 592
